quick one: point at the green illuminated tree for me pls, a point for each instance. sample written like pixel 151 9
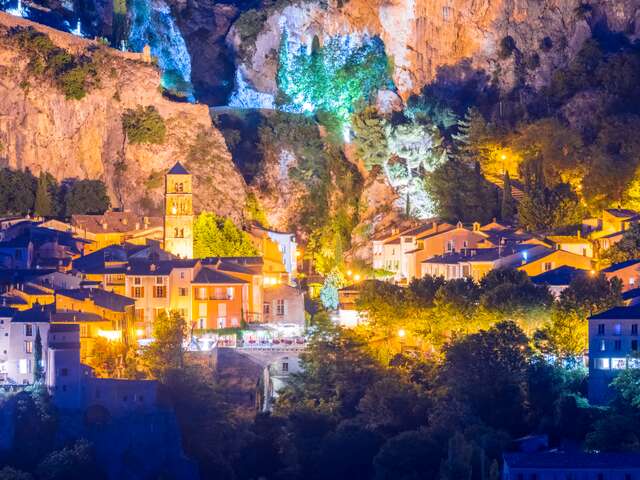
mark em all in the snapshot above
pixel 627 248
pixel 165 353
pixel 329 291
pixel 370 138
pixel 215 236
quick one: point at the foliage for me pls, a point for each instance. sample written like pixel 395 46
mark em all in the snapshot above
pixel 165 353
pixel 73 75
pixel 46 196
pixel 75 462
pixel 370 138
pixel 565 336
pixel 38 368
pixel 461 193
pixel 144 125
pixel 86 197
pixel 333 78
pixel 254 211
pixel 17 191
pixel 508 204
pixel 215 236
pixel 329 292
pixel 627 248
pixel 106 357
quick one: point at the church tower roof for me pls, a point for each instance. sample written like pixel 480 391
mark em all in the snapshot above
pixel 178 169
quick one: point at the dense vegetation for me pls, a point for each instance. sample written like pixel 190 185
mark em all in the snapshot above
pixel 74 75
pixel 21 193
pixel 144 125
pixel 215 236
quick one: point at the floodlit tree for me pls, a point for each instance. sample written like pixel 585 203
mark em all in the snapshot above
pixel 215 236
pixel 165 353
pixel 329 291
pixel 370 138
pixel 508 205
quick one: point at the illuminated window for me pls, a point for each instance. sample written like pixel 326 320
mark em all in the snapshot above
pixel 84 330
pixel 230 293
pixel 24 366
pixel 28 346
pixel 160 291
pixel 617 329
pixel 603 346
pixel 202 309
pixel 618 363
pixel 279 307
pixel 602 363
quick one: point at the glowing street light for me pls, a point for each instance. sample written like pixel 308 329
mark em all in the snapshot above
pixel 402 333
pixel 356 277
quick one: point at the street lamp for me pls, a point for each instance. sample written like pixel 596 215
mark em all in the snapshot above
pixel 356 277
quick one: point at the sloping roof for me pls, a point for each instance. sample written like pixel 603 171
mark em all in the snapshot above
pixel 573 460
pixel 568 239
pixel 116 222
pixel 101 298
pixel 36 314
pixel 211 276
pixel 21 241
pixel 618 313
pixel 621 212
pixel 558 276
pixel 619 266
pixel 178 169
pixel 72 316
pixel 631 294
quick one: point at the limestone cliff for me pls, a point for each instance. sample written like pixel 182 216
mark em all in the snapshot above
pixel 41 130
pixel 423 37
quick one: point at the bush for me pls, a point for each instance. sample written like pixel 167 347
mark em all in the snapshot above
pixel 71 74
pixel 144 125
pixel 507 47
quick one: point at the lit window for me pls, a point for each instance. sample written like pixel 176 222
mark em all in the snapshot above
pixel 28 346
pixel 202 309
pixel 24 366
pixel 230 293
pixel 602 363
pixel 603 346
pixel 618 363
pixel 84 330
pixel 202 293
pixel 632 281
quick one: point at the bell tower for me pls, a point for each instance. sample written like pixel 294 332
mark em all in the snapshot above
pixel 178 212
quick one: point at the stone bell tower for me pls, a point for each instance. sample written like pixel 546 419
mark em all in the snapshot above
pixel 178 212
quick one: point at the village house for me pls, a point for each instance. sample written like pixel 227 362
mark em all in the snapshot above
pixel 627 272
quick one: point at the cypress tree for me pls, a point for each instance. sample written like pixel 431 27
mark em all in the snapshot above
pixel 508 208
pixel 45 196
pixel 38 370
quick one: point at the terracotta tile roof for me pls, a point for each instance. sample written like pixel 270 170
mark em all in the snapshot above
pixel 115 222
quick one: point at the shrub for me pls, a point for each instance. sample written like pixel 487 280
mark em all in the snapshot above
pixel 144 125
pixel 507 47
pixel 71 74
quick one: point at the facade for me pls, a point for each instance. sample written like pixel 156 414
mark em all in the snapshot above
pixel 23 329
pixel 178 212
pixel 279 252
pixel 283 304
pixel 627 272
pixel 571 465
pixel 574 244
pixel 219 299
pixel 613 347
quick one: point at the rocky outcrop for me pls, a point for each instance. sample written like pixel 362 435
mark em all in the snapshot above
pixel 430 38
pixel 41 130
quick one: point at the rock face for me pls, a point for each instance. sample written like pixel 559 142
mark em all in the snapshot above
pixel 41 130
pixel 428 38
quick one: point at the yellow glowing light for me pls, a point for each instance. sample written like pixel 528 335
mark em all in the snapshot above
pixel 174 209
pixel 592 272
pixel 139 332
pixel 402 333
pixel 503 157
pixel 111 335
pixel 356 277
pixel 298 253
pixel 349 273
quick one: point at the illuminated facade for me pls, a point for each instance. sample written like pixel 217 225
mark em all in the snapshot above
pixel 178 212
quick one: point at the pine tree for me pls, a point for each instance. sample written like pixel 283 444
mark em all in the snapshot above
pixel 508 207
pixel 38 370
pixel 45 203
